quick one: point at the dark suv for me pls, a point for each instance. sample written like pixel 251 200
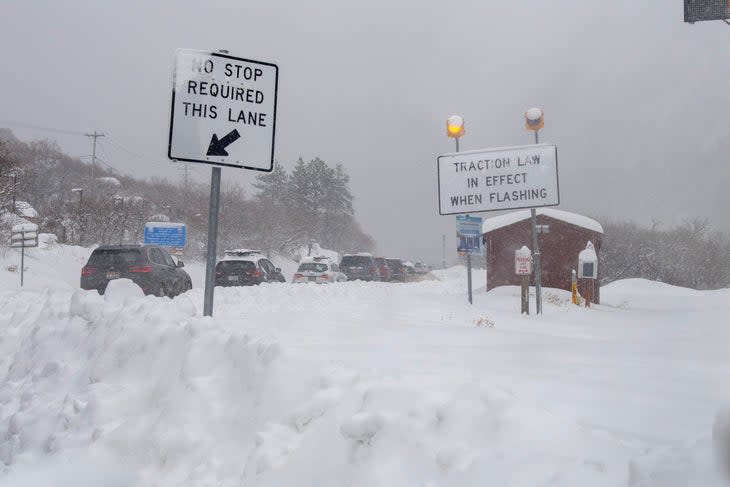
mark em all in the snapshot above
pixel 246 268
pixel 397 269
pixel 149 266
pixel 360 266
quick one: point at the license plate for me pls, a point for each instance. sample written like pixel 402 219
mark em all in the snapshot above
pixel 112 275
pixel 312 278
pixel 232 278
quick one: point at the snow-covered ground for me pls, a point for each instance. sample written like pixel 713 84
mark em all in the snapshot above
pixel 358 384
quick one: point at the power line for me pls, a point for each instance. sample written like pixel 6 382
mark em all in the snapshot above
pixel 39 127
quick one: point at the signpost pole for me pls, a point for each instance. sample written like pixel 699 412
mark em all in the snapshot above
pixel 215 190
pixel 536 255
pixel 525 294
pixel 22 258
pixel 536 258
pixel 468 252
pixel 468 274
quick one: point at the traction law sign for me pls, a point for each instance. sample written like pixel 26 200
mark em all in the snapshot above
pixel 498 179
pixel 223 110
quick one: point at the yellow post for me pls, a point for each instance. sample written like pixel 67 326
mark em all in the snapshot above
pixel 574 289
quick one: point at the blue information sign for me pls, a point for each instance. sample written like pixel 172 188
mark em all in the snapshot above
pixel 469 234
pixel 165 234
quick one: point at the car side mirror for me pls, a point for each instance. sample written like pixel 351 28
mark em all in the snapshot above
pixel 180 263
pixel 277 270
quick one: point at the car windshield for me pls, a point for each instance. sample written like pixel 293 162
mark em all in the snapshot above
pixel 356 261
pixel 396 264
pixel 114 257
pixel 312 267
pixel 235 265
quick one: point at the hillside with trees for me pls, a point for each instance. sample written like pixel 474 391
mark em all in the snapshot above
pixel 91 204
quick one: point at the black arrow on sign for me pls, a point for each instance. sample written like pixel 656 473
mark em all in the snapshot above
pixel 217 146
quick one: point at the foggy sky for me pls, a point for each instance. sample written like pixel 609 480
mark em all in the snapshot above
pixel 636 100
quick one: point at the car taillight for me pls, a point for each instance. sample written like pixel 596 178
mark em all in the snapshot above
pixel 298 276
pixel 324 276
pixel 139 268
pixel 86 270
pixel 256 273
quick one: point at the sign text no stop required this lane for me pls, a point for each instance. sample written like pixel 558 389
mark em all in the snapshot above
pixel 223 110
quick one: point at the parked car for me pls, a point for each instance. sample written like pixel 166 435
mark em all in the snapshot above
pixel 421 268
pixel 360 266
pixel 384 268
pixel 321 270
pixel 244 267
pixel 397 269
pixel 149 266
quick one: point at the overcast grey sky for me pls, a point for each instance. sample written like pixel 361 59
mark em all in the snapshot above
pixel 636 100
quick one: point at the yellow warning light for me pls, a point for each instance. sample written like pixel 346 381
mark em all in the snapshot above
pixel 455 126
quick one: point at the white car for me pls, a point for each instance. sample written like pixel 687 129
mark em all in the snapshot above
pixel 320 270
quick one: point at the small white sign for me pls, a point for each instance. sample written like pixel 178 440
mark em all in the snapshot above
pixel 498 179
pixel 523 261
pixel 223 110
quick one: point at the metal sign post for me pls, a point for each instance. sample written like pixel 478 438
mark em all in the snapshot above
pixel 223 113
pixel 468 242
pixel 523 268
pixel 24 235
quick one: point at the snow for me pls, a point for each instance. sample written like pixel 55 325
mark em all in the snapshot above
pixel 25 209
pixel 317 250
pixel 163 225
pixel 108 180
pixel 491 224
pixel 159 218
pixel 357 384
pixel 25 227
pixel 534 113
pixel 588 254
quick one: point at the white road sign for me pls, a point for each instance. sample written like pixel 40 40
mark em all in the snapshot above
pixel 223 110
pixel 498 179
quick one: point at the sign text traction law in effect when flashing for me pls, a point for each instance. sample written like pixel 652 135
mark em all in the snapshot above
pixel 498 179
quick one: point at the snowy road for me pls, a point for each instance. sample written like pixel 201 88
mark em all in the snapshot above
pixel 359 384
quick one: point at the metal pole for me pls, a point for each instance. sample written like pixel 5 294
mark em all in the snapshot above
pixel 456 139
pixel 536 255
pixel 536 263
pixel 443 251
pixel 22 258
pixel 468 274
pixel 215 191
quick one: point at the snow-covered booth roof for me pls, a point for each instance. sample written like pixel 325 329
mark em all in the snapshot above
pixel 500 221
pixel 24 209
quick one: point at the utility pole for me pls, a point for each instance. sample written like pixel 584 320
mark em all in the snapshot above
pixel 94 136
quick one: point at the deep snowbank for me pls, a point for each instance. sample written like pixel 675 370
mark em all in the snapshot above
pixel 144 391
pixel 357 384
